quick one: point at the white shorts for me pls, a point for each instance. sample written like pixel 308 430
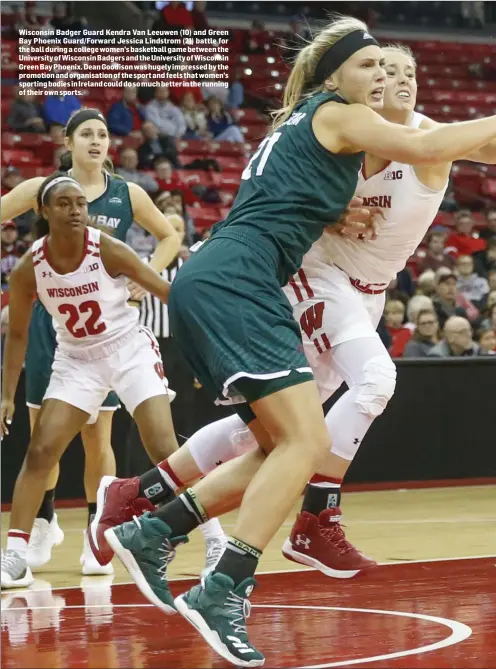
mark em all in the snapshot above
pixel 135 372
pixel 330 311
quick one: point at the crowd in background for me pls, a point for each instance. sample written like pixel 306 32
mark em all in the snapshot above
pixel 442 304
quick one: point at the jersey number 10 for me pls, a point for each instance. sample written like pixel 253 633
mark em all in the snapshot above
pixel 90 326
pixel 266 146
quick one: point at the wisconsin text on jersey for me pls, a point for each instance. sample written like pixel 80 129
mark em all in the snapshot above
pixel 86 288
pixel 378 201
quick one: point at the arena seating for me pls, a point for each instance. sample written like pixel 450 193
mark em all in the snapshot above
pixel 451 87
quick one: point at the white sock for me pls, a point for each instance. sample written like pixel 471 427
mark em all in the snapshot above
pixel 212 529
pixel 17 540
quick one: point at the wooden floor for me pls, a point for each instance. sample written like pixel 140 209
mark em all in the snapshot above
pixel 389 526
pixel 428 609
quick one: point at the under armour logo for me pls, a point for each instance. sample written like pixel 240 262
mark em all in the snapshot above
pixel 367 36
pixel 249 590
pixel 218 463
pixel 356 441
pixel 47 274
pixel 303 542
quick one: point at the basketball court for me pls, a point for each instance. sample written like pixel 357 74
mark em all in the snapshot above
pixel 430 603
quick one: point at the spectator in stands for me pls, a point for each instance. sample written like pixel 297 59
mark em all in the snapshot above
pixel 486 260
pixel 236 91
pixel 12 249
pixel 33 20
pixel 10 179
pixel 128 171
pixel 425 335
pixel 221 124
pixel 435 255
pixel 474 287
pixel 165 115
pixel 196 120
pixel 457 340
pixel 125 117
pixel 62 21
pixel 177 201
pixel 445 302
pixel 426 284
pixel 175 15
pixel 58 108
pixel 414 307
pixel 489 232
pixel 394 313
pixel 491 278
pixel 463 242
pixel 57 154
pixel 25 114
pixel 255 38
pixel 486 338
pixel 297 35
pixel 169 180
pixel 200 21
pixel 472 13
pixel 155 146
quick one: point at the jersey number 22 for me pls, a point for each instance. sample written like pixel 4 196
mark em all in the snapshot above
pixel 90 326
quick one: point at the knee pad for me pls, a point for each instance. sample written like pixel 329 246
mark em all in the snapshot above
pixel 376 386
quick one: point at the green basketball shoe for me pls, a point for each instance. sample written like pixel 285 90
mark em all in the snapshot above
pixel 145 548
pixel 219 611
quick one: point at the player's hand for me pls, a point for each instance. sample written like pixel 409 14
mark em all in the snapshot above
pixel 6 413
pixel 358 221
pixel 136 291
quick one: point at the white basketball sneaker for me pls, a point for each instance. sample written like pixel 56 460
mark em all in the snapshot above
pixel 89 563
pixel 15 571
pixel 214 547
pixel 44 536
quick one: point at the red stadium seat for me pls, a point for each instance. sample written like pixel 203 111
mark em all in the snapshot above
pixel 227 180
pixel 489 187
pixel 225 149
pixel 19 157
pixel 236 163
pixel 191 178
pixel 195 146
pixel 204 217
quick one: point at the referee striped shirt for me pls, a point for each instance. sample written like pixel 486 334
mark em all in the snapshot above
pixel 153 312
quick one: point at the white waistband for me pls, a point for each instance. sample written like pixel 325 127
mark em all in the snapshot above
pixel 103 350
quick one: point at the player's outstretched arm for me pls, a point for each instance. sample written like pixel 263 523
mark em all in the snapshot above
pixel 119 259
pixel 22 288
pixel 486 154
pixel 358 128
pixel 22 198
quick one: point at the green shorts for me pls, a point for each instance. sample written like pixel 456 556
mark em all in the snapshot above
pixel 234 325
pixel 39 359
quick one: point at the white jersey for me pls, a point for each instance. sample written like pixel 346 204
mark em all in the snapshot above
pixel 409 208
pixel 89 308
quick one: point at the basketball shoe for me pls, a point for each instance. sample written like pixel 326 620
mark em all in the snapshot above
pixel 44 536
pixel 15 570
pixel 145 547
pixel 117 501
pixel 89 564
pixel 219 611
pixel 320 542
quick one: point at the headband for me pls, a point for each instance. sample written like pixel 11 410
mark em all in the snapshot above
pixel 336 55
pixel 55 182
pixel 81 117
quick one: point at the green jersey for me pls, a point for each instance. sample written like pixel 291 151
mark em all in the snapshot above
pixel 291 190
pixel 112 212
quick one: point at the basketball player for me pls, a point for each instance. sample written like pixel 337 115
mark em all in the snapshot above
pixel 113 205
pixel 79 275
pixel 236 328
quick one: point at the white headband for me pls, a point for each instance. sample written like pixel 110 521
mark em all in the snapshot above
pixel 55 182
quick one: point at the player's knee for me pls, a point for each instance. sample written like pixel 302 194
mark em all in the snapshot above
pixel 376 387
pixel 40 456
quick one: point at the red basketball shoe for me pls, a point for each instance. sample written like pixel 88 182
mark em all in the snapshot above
pixel 319 542
pixel 117 502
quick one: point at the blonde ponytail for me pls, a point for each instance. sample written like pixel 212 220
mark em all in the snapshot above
pixel 299 85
